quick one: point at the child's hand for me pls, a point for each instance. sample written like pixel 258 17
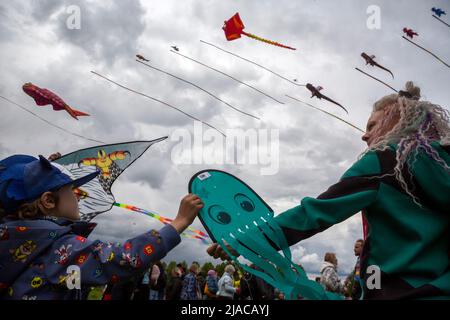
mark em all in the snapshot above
pixel 190 205
pixel 54 156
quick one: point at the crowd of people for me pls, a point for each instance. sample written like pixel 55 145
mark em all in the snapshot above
pixel 222 282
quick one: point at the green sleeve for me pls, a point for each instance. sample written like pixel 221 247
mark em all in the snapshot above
pixel 433 178
pixel 356 190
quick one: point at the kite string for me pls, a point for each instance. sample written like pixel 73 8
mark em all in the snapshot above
pixel 227 75
pixel 198 87
pixel 435 56
pixel 250 61
pixel 328 113
pixel 376 79
pixel 48 122
pixel 448 25
pixel 157 100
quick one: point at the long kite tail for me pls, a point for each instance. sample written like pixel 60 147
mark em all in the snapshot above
pixel 250 61
pixel 198 234
pixel 385 69
pixel 326 112
pixel 376 79
pixel 428 51
pixel 266 41
pixel 336 103
pixel 50 123
pixel 227 75
pixel 200 88
pixel 157 100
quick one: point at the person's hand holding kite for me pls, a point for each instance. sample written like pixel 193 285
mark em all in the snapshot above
pixel 189 207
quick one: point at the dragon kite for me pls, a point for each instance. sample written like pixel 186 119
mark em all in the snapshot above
pixel 234 28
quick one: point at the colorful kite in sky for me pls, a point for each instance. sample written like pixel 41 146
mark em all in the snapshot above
pixel 111 160
pixel 45 97
pixel 234 28
pixel 410 32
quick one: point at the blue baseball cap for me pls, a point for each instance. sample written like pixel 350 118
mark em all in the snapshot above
pixel 25 178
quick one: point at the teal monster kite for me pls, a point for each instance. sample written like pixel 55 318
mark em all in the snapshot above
pixel 235 215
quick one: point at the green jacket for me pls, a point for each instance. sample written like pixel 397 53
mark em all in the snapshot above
pixel 409 243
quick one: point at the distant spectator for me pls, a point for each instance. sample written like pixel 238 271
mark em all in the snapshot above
pixel 211 285
pixel 173 289
pixel 226 289
pixel 329 277
pixel 190 289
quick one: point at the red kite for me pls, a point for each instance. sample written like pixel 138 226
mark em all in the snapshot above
pixel 45 97
pixel 410 32
pixel 234 28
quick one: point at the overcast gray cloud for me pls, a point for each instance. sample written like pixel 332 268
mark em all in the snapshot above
pixel 315 150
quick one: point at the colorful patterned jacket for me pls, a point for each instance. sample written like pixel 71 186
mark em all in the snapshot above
pixel 38 258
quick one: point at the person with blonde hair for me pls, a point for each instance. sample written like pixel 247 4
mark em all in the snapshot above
pixel 329 278
pixel 401 183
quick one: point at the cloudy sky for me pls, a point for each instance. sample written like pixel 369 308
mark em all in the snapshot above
pixel 314 149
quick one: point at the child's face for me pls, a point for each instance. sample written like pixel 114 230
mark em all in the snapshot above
pixel 68 204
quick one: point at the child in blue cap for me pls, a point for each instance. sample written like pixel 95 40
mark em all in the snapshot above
pixel 44 250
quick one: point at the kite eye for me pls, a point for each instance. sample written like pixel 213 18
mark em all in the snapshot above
pixel 244 202
pixel 219 214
